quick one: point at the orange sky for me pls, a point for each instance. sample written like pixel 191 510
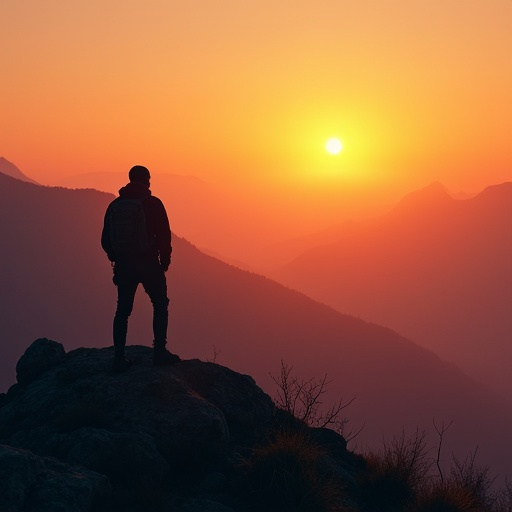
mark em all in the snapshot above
pixel 245 92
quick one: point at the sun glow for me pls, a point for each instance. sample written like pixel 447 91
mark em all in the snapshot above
pixel 333 146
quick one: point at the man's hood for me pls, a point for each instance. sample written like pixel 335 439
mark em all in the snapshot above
pixel 134 190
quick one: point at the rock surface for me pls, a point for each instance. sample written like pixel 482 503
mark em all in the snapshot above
pixel 77 437
pixel 192 412
pixel 39 357
pixel 38 484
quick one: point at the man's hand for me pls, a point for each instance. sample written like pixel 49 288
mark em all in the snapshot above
pixel 164 263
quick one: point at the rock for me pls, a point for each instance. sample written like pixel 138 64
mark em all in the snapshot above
pixel 247 409
pixel 203 505
pixel 127 458
pixel 188 414
pixel 17 476
pixel 30 483
pixel 13 391
pixel 339 461
pixel 44 440
pixel 329 438
pixel 42 355
pixel 180 437
pixel 214 482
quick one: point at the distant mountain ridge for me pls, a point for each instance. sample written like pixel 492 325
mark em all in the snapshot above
pixel 10 169
pixel 56 283
pixel 434 194
pixel 436 269
pixel 284 252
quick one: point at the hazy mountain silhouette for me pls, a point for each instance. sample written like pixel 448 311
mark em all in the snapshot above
pixel 436 269
pixel 56 283
pixel 287 250
pixel 10 169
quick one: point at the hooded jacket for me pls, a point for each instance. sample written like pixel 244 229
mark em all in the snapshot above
pixel 157 223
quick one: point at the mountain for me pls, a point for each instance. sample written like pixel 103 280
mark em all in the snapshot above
pixel 278 255
pixel 56 283
pixel 436 269
pixel 10 169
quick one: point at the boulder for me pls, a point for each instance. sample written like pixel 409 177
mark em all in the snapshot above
pixel 29 483
pixel 42 355
pixel 203 505
pixel 127 458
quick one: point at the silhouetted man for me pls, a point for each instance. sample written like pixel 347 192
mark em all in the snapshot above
pixel 137 239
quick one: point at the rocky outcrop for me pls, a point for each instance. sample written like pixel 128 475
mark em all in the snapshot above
pixel 32 483
pixel 177 434
pixel 192 412
pixel 42 355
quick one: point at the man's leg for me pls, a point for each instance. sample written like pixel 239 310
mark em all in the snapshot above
pixel 155 286
pixel 126 288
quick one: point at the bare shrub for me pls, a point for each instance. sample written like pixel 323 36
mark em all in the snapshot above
pixel 216 352
pixel 472 478
pixel 394 475
pixel 466 488
pixel 408 457
pixel 503 499
pixel 303 400
pixel 444 497
pixel 441 430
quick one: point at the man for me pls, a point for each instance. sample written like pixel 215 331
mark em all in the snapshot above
pixel 137 239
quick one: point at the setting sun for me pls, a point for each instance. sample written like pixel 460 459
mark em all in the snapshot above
pixel 333 146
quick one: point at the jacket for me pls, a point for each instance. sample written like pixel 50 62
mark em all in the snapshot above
pixel 157 224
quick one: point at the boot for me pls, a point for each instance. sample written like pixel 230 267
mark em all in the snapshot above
pixel 121 362
pixel 162 357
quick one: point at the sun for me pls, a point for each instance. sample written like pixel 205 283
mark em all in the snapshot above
pixel 333 146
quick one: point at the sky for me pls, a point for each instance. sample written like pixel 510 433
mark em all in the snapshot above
pixel 245 93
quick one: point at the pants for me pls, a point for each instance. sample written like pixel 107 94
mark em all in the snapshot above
pixel 127 278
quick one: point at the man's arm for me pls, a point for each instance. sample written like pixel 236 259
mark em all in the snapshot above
pixel 105 236
pixel 163 235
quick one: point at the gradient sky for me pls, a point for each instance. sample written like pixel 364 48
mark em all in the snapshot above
pixel 244 93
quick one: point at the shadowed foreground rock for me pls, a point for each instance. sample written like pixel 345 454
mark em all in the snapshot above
pixel 29 482
pixel 76 437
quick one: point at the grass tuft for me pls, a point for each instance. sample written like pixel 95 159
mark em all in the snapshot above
pixel 291 473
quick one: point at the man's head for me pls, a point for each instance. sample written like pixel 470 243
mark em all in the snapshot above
pixel 139 174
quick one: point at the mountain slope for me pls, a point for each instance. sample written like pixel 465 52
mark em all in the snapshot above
pixel 10 169
pixel 56 283
pixel 436 269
